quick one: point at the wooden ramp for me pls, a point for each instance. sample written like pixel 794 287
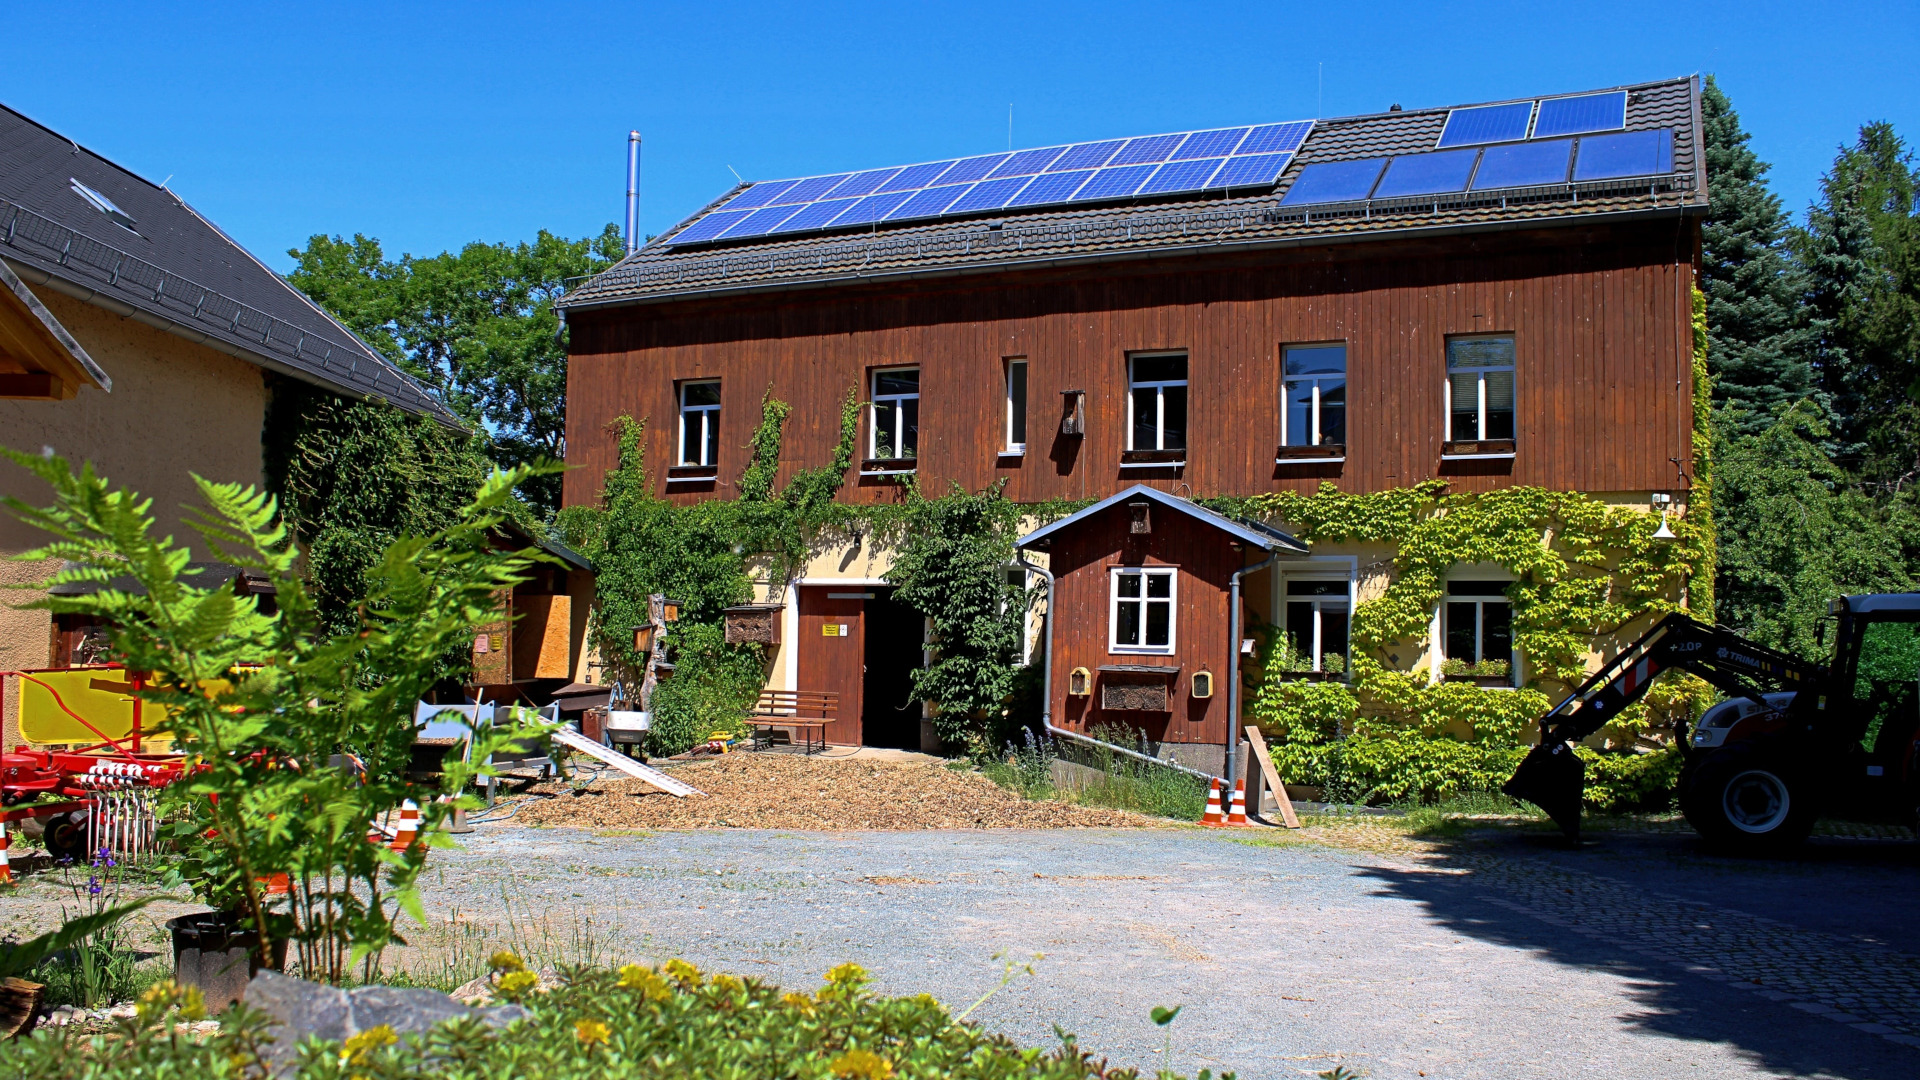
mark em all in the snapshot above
pixel 571 738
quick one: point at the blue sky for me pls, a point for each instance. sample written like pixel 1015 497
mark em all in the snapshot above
pixel 429 126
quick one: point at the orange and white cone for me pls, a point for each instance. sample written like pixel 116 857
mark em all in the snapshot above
pixel 1214 818
pixel 409 826
pixel 6 868
pixel 1237 815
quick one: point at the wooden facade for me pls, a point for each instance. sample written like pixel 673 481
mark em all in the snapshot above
pixel 1600 316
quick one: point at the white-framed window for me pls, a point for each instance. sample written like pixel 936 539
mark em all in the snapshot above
pixel 895 432
pixel 1319 621
pixel 700 422
pixel 1157 402
pixel 1480 389
pixel 1141 617
pixel 1016 433
pixel 1314 396
pixel 1478 623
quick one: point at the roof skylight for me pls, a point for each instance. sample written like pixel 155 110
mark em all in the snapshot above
pixel 104 205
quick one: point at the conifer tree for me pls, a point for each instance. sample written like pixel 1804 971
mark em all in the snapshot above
pixel 1757 339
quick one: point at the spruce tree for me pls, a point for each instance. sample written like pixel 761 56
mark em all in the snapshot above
pixel 1757 340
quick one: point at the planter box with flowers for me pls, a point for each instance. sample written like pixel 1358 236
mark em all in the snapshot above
pixel 1490 673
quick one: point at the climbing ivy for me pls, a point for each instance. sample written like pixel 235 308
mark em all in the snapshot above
pixel 1585 572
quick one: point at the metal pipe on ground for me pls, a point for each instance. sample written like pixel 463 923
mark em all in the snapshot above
pixel 1046 689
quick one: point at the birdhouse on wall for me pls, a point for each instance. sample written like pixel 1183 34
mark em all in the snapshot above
pixel 1142 521
pixel 1080 683
pixel 1203 684
pixel 1073 412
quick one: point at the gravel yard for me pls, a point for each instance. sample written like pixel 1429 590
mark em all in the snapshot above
pixel 786 791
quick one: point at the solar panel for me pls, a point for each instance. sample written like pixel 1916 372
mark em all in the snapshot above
pixel 1050 188
pixel 973 168
pixel 1486 124
pixel 1579 115
pixel 1028 162
pixel 1427 174
pixel 1630 153
pixel 865 183
pixel 1153 148
pixel 1252 171
pixel 1180 176
pixel 1088 155
pixel 929 203
pixel 1209 144
pixel 760 194
pixel 814 215
pixel 873 208
pixel 712 225
pixel 1115 183
pixel 761 222
pixel 1276 138
pixel 1188 161
pixel 988 195
pixel 1334 181
pixel 1523 165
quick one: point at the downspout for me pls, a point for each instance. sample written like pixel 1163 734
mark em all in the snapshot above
pixel 1046 688
pixel 1233 665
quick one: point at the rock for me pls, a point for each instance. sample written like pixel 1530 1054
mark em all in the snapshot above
pixel 301 1009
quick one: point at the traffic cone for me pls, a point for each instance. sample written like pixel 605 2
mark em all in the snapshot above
pixel 6 868
pixel 1214 818
pixel 409 826
pixel 1237 815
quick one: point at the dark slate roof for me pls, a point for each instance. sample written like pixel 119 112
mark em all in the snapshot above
pixel 1156 227
pixel 1264 537
pixel 172 268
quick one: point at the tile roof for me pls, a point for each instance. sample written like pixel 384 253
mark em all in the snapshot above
pixel 173 268
pixel 1156 227
pixel 1264 537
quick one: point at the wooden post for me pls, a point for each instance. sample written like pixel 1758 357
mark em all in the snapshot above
pixel 1258 746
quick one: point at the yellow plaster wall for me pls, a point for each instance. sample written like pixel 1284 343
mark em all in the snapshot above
pixel 175 407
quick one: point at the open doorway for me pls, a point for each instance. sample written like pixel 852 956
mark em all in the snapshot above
pixel 891 718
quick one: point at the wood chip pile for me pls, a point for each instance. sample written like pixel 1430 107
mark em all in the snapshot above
pixel 782 791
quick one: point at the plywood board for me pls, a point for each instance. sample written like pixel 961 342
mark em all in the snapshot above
pixel 1272 777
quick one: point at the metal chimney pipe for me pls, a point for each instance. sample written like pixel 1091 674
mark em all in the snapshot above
pixel 633 191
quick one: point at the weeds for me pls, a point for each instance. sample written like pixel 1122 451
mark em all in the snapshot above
pixel 102 967
pixel 446 956
pixel 1122 783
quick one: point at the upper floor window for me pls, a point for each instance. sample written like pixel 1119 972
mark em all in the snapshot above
pixel 1480 388
pixel 1157 402
pixel 1016 434
pixel 700 422
pixel 896 414
pixel 1317 623
pixel 1479 629
pixel 1314 412
pixel 1141 617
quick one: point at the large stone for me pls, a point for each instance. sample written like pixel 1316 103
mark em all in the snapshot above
pixel 302 1009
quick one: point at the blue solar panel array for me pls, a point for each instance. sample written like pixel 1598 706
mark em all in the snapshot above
pixel 1518 120
pixel 1508 165
pixel 1222 159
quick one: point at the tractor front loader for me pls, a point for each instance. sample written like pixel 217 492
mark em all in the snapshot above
pixel 1795 740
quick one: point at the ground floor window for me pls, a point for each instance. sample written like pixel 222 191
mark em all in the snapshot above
pixel 1479 627
pixel 1317 623
pixel 1141 617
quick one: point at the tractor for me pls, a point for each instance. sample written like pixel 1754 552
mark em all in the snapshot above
pixel 1794 741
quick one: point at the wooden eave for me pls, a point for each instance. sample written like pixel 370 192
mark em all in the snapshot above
pixel 39 359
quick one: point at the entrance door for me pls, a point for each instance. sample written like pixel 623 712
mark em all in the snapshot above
pixel 833 652
pixel 891 717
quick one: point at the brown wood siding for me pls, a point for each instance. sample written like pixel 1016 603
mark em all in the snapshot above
pixel 834 664
pixel 1600 317
pixel 1081 556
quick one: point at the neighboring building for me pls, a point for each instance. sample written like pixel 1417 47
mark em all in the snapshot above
pixel 135 335
pixel 1490 295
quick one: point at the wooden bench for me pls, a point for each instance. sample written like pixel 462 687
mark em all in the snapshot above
pixel 805 713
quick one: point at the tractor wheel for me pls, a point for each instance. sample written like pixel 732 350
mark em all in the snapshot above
pixel 1748 801
pixel 66 838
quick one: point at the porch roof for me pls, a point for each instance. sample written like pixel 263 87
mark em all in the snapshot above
pixel 1264 537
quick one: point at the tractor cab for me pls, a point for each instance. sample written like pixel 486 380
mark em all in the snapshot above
pixel 1873 707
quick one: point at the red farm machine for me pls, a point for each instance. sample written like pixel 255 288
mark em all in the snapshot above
pixel 1795 740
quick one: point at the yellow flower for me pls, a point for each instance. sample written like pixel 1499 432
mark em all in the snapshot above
pixel 798 1003
pixel 356 1049
pixel 862 1065
pixel 650 985
pixel 682 972
pixel 727 984
pixel 847 974
pixel 591 1031
pixel 505 960
pixel 192 1005
pixel 518 982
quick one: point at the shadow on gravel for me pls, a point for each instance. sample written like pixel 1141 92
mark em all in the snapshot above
pixel 1702 940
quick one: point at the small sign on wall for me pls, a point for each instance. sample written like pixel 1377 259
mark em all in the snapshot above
pixel 836 629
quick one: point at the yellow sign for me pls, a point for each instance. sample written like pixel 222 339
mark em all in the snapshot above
pixel 830 630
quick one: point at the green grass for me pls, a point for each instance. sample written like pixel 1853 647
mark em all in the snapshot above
pixel 1122 783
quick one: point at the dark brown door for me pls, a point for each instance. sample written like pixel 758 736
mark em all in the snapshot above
pixel 833 653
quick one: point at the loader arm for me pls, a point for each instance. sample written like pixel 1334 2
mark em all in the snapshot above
pixel 1553 777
